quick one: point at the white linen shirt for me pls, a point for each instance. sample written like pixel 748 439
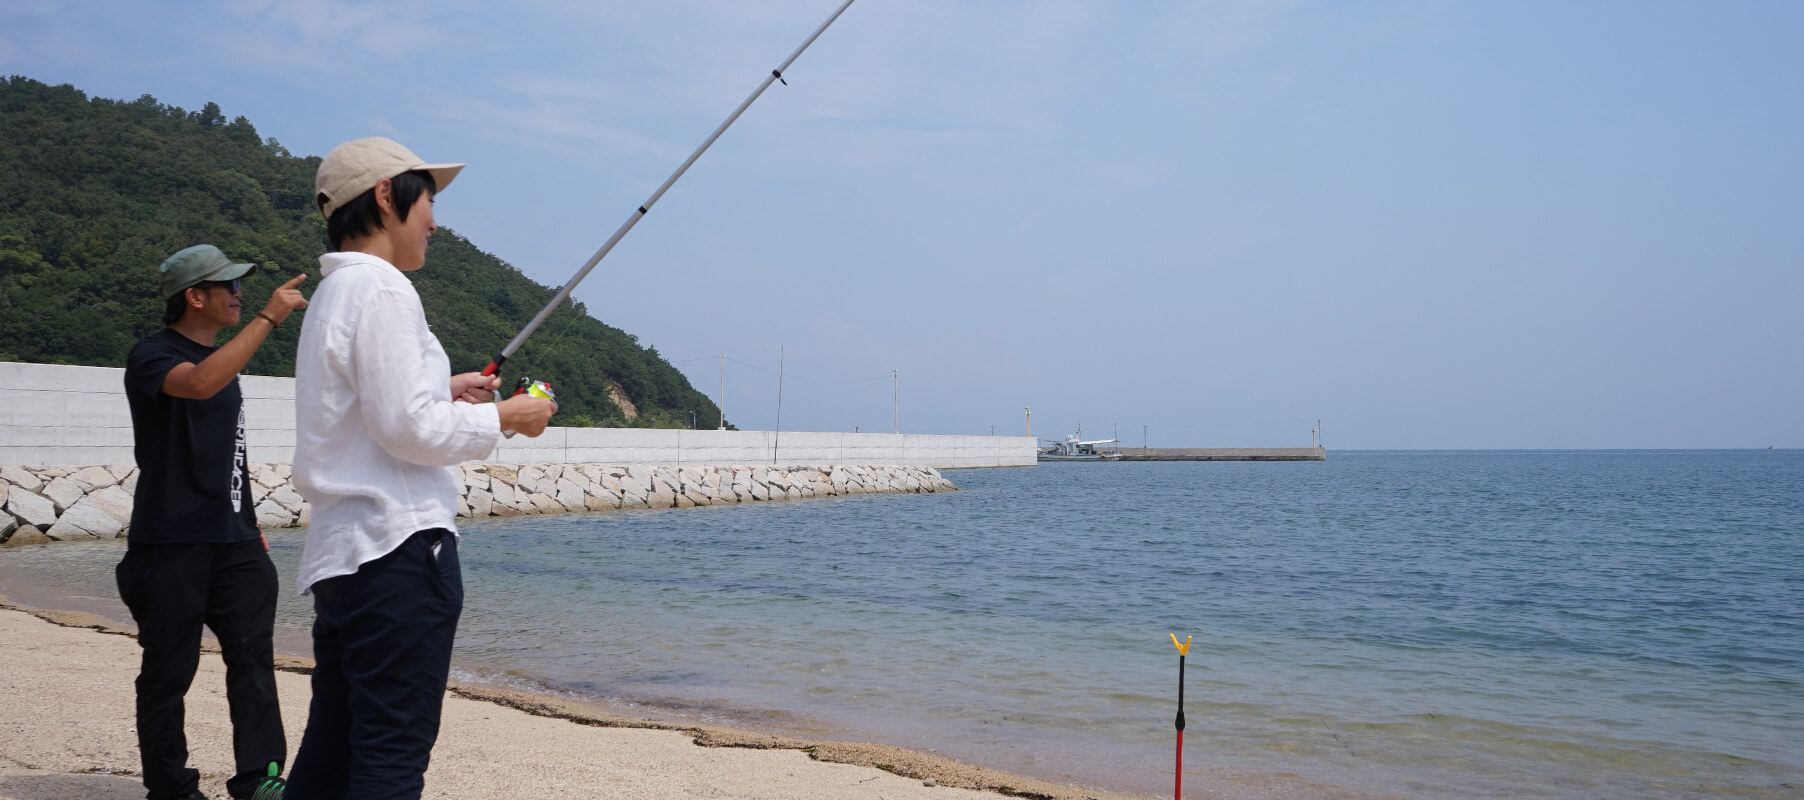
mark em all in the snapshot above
pixel 376 429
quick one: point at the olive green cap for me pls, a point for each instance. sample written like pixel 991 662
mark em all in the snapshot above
pixel 202 262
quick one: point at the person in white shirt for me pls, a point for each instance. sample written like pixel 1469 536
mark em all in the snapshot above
pixel 380 422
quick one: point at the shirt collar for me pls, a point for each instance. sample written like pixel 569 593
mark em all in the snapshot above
pixel 333 262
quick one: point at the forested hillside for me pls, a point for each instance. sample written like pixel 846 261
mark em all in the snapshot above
pixel 95 193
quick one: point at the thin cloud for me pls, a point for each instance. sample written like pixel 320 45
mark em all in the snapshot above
pixel 338 37
pixel 547 122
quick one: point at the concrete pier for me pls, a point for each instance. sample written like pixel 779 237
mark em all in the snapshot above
pixel 1224 454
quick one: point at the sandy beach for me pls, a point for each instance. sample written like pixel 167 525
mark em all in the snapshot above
pixel 66 732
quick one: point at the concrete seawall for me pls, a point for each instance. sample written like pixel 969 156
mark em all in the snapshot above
pixel 67 469
pixel 60 415
pixel 1224 454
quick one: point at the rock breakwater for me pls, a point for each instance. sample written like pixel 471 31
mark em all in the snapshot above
pixel 39 504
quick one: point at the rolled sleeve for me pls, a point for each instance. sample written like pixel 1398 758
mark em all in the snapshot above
pixel 406 395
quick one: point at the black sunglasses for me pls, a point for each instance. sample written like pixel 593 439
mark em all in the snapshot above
pixel 205 285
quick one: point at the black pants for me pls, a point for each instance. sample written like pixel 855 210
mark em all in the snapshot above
pixel 172 590
pixel 382 655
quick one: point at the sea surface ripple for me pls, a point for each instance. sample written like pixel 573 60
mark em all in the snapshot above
pixel 1561 624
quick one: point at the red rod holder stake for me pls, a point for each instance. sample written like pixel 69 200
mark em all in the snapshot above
pixel 1177 786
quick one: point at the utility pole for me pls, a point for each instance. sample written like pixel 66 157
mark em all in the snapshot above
pixel 992 430
pixel 1143 449
pixel 1030 421
pixel 777 435
pixel 723 391
pixel 895 401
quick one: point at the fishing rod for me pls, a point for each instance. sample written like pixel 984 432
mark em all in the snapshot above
pixel 633 218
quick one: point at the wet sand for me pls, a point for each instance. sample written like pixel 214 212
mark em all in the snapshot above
pixel 66 731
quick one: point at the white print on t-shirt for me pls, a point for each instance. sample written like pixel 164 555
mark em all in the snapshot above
pixel 238 465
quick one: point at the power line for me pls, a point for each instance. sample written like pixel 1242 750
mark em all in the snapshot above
pixel 789 375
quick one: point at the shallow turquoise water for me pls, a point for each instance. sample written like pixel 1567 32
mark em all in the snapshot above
pixel 1501 624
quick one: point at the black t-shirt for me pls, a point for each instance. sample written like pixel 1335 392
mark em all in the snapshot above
pixel 194 483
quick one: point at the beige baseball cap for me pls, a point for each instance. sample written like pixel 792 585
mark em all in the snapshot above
pixel 354 167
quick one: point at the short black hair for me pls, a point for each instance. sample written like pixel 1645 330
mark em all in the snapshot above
pixel 175 307
pixel 361 217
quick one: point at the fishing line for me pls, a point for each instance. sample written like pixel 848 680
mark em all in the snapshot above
pixel 574 316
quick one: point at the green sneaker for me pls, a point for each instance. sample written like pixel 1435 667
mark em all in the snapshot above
pixel 272 787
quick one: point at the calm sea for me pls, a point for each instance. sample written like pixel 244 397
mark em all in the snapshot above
pixel 1412 624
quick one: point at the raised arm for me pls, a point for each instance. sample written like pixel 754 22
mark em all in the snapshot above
pixel 200 381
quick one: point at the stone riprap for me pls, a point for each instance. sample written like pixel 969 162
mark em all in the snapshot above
pixel 40 504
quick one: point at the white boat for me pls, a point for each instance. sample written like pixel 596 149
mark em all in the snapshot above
pixel 1075 449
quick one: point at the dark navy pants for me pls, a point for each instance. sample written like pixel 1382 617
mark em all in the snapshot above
pixel 382 652
pixel 172 590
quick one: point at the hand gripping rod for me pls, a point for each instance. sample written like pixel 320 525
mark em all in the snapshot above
pixel 633 218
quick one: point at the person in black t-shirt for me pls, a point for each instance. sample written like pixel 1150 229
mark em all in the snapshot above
pixel 194 554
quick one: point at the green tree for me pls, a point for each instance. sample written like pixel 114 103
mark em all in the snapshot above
pixel 94 193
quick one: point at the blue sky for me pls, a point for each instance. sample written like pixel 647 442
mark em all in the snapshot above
pixel 1430 224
